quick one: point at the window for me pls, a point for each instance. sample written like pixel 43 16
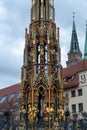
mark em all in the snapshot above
pixel 11 96
pixel 74 108
pixel 3 99
pixel 45 52
pixel 79 92
pixel 19 95
pixel 73 93
pixel 16 103
pixel 80 107
pixel 69 79
pixel 38 57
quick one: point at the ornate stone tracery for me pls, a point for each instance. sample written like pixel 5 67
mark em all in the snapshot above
pixel 41 70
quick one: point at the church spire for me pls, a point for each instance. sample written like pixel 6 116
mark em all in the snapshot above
pixel 74 39
pixel 74 54
pixel 85 49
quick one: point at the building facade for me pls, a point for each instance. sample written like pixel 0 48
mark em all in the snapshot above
pixel 75 76
pixel 9 107
pixel 75 85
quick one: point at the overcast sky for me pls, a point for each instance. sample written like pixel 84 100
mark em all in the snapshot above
pixel 15 17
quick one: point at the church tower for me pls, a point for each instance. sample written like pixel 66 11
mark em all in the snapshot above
pixel 42 89
pixel 74 55
pixel 85 48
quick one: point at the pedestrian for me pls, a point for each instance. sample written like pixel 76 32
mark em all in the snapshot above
pixel 70 125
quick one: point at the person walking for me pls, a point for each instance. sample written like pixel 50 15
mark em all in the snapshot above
pixel 70 125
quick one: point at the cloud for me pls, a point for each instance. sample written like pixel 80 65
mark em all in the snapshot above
pixel 3 12
pixel 15 17
pixel 64 13
pixel 63 55
pixel 12 26
pixel 11 57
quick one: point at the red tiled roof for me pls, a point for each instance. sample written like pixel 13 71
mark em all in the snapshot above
pixel 73 71
pixel 9 90
pixel 78 67
pixel 14 89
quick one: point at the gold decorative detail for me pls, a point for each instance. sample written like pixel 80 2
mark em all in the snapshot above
pixel 61 114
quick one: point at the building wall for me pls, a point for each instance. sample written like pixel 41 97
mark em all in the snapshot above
pixel 77 99
pixel 83 85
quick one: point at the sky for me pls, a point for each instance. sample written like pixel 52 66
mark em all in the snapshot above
pixel 15 17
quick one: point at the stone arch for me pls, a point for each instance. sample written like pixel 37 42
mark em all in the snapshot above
pixel 41 95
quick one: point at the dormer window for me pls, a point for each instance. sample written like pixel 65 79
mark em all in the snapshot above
pixel 11 96
pixel 19 95
pixel 69 79
pixel 3 99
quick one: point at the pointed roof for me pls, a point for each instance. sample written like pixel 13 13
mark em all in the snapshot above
pixel 74 48
pixel 85 48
